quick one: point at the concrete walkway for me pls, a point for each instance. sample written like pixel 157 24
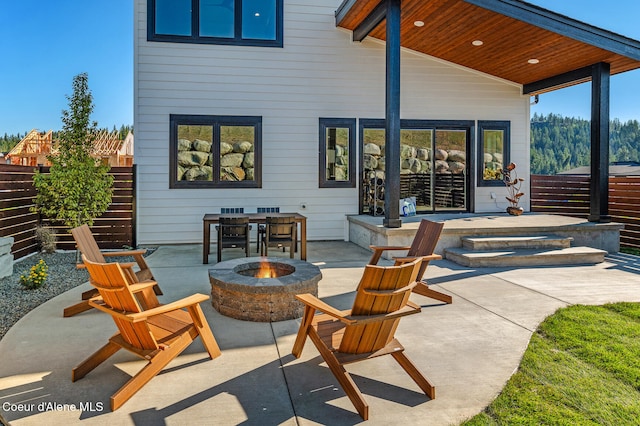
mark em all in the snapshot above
pixel 468 350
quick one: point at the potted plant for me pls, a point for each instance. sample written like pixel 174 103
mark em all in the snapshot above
pixel 513 184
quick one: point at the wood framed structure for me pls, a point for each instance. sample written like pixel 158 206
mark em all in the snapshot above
pixel 109 147
pixel 32 150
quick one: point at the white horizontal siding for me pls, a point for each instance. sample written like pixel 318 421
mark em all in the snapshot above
pixel 319 72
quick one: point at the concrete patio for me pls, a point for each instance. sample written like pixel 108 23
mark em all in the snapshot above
pixel 468 350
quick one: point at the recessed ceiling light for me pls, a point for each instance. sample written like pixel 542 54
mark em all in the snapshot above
pixel 533 61
pixel 418 23
pixel 477 42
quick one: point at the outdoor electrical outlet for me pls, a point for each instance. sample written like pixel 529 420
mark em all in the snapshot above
pixel 493 196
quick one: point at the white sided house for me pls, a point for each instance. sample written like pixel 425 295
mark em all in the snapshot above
pixel 264 103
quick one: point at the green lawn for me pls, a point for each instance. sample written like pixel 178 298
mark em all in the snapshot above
pixel 582 367
pixel 630 250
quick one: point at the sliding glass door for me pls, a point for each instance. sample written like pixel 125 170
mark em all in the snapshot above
pixel 434 171
pixel 451 175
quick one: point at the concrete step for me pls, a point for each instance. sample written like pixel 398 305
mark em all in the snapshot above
pixel 524 257
pixel 514 242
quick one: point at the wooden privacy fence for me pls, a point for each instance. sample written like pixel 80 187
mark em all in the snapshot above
pixel 113 230
pixel 569 195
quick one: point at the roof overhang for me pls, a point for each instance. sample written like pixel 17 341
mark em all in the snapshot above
pixel 522 43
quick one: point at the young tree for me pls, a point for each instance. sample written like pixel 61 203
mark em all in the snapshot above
pixel 78 187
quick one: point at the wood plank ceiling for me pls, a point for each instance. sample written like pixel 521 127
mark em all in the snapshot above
pixel 509 46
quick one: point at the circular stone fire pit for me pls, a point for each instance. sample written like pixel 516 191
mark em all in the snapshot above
pixel 237 293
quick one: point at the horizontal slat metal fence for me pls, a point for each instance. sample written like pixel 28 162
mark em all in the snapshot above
pixel 569 195
pixel 113 230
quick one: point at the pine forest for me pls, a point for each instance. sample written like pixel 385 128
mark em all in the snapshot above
pixel 562 143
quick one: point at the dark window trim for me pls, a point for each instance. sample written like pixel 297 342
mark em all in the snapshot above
pixel 492 125
pixel 214 121
pixel 349 123
pixel 195 38
pixel 378 123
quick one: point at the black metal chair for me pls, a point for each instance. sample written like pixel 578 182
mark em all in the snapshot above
pixel 233 232
pixel 280 232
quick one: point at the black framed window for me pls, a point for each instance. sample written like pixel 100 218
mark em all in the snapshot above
pixel 493 154
pixel 337 153
pixel 210 151
pixel 238 22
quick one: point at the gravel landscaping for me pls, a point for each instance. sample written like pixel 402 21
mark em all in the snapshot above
pixel 16 301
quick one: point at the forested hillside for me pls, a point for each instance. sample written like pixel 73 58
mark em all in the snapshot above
pixel 9 141
pixel 561 143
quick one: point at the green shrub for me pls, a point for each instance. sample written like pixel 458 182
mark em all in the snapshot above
pixel 46 238
pixel 630 250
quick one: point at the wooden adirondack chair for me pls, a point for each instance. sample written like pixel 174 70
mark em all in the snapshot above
pixel 158 334
pixel 367 330
pixel 89 248
pixel 423 245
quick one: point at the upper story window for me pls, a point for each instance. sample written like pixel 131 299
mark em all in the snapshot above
pixel 239 22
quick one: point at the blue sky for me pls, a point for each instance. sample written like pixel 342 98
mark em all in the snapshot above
pixel 44 44
pixel 619 16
